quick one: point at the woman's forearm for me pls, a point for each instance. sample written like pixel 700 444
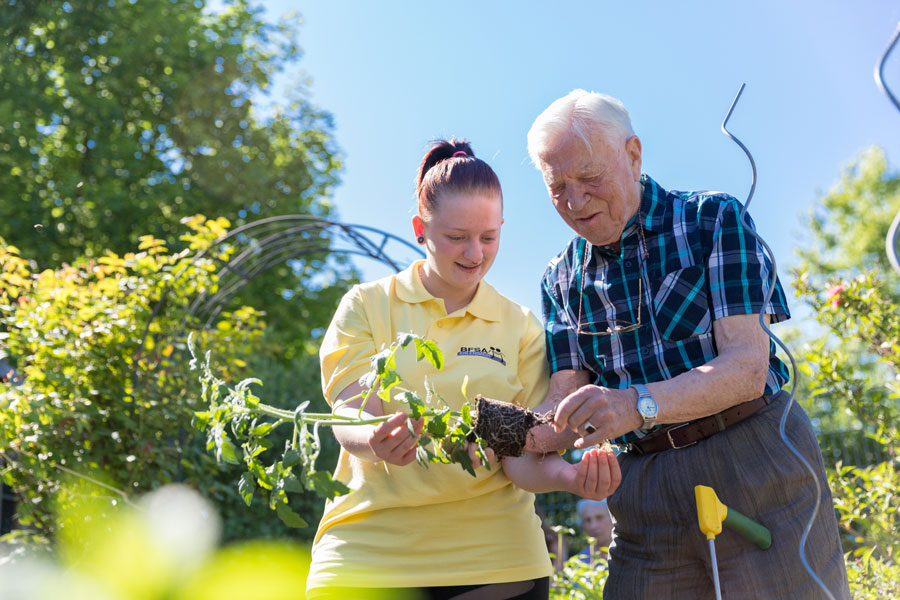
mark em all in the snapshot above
pixel 537 473
pixel 355 439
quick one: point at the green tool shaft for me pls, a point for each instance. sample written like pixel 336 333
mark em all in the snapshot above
pixel 751 530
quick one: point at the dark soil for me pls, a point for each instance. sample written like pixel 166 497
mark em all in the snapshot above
pixel 505 426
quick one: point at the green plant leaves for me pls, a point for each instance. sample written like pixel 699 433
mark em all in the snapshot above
pixel 246 486
pixel 288 516
pixel 325 485
pixel 411 399
pixel 291 457
pixel 248 419
pixel 389 378
pixel 439 425
pixel 226 450
pixel 427 349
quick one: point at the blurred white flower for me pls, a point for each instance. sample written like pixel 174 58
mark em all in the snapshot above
pixel 184 523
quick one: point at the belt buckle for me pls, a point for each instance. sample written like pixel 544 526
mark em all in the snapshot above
pixel 632 447
pixel 672 442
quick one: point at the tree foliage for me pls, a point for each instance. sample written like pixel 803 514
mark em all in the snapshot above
pixel 852 368
pixel 850 223
pixel 120 117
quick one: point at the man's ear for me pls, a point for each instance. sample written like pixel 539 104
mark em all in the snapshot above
pixel 633 150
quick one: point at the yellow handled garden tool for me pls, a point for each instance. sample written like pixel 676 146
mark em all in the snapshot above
pixel 711 513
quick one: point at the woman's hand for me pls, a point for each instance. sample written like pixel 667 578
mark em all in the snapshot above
pixel 472 449
pixel 596 476
pixel 392 442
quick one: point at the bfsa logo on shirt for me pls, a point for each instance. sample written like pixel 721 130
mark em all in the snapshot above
pixel 489 352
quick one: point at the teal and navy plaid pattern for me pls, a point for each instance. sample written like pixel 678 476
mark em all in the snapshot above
pixel 701 264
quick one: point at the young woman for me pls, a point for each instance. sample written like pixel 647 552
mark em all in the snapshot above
pixel 439 532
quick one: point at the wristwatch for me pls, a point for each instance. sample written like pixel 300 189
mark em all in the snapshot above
pixel 646 405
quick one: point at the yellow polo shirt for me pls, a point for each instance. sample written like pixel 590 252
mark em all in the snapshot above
pixel 411 526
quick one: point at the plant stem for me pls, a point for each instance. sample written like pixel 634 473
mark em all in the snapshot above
pixel 323 418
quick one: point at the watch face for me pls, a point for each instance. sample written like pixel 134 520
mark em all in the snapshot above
pixel 647 407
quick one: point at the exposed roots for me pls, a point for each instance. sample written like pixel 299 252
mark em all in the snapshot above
pixel 505 426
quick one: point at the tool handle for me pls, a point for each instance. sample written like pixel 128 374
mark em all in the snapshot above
pixel 750 529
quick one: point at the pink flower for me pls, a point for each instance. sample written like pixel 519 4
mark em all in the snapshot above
pixel 833 295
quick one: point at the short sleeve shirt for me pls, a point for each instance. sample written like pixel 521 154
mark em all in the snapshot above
pixel 685 260
pixel 411 526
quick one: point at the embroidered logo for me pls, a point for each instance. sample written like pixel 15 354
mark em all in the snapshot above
pixel 491 353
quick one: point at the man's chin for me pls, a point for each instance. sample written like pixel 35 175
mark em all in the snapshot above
pixel 599 240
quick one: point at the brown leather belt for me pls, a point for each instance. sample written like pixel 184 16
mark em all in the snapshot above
pixel 688 434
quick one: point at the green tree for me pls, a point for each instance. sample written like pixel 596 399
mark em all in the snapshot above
pixel 852 368
pixel 120 117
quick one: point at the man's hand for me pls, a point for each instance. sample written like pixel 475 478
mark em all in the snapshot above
pixel 596 476
pixel 392 442
pixel 542 438
pixel 597 414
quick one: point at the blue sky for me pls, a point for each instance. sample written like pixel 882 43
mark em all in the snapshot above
pixel 397 74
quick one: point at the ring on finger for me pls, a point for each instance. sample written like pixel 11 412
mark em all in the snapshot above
pixel 589 427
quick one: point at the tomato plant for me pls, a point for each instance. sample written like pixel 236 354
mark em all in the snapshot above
pixel 237 426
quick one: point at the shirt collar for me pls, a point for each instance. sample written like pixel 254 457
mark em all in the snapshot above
pixel 409 285
pixel 651 211
pixel 485 305
pixel 654 206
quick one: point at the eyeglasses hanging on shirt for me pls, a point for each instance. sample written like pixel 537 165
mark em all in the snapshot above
pixel 613 326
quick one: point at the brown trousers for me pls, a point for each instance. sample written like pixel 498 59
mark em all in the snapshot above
pixel 659 552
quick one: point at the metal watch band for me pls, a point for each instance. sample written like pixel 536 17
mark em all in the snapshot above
pixel 644 394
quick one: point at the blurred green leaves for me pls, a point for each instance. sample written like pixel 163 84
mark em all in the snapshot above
pixel 164 547
pixel 851 366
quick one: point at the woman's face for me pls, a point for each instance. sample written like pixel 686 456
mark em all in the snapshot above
pixel 462 236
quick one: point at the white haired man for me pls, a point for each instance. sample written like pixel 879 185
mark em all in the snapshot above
pixel 652 324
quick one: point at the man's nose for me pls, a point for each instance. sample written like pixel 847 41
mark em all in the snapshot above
pixel 577 196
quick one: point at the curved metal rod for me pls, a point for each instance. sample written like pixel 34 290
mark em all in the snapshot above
pixel 248 233
pixel 230 282
pixel 892 243
pixel 768 296
pixel 274 222
pixel 879 69
pixel 246 265
pixel 217 304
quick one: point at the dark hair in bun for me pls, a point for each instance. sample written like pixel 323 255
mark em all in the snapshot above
pixel 451 166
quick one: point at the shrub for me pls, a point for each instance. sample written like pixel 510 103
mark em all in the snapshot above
pixel 104 395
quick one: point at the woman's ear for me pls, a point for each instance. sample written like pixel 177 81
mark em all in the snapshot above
pixel 418 226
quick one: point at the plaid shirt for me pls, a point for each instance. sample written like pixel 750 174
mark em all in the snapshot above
pixel 699 264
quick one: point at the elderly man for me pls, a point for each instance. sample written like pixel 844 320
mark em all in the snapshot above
pixel 654 342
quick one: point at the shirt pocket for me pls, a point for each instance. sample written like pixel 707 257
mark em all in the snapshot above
pixel 680 304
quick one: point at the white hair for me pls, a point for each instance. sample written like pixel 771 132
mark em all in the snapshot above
pixel 584 503
pixel 586 114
